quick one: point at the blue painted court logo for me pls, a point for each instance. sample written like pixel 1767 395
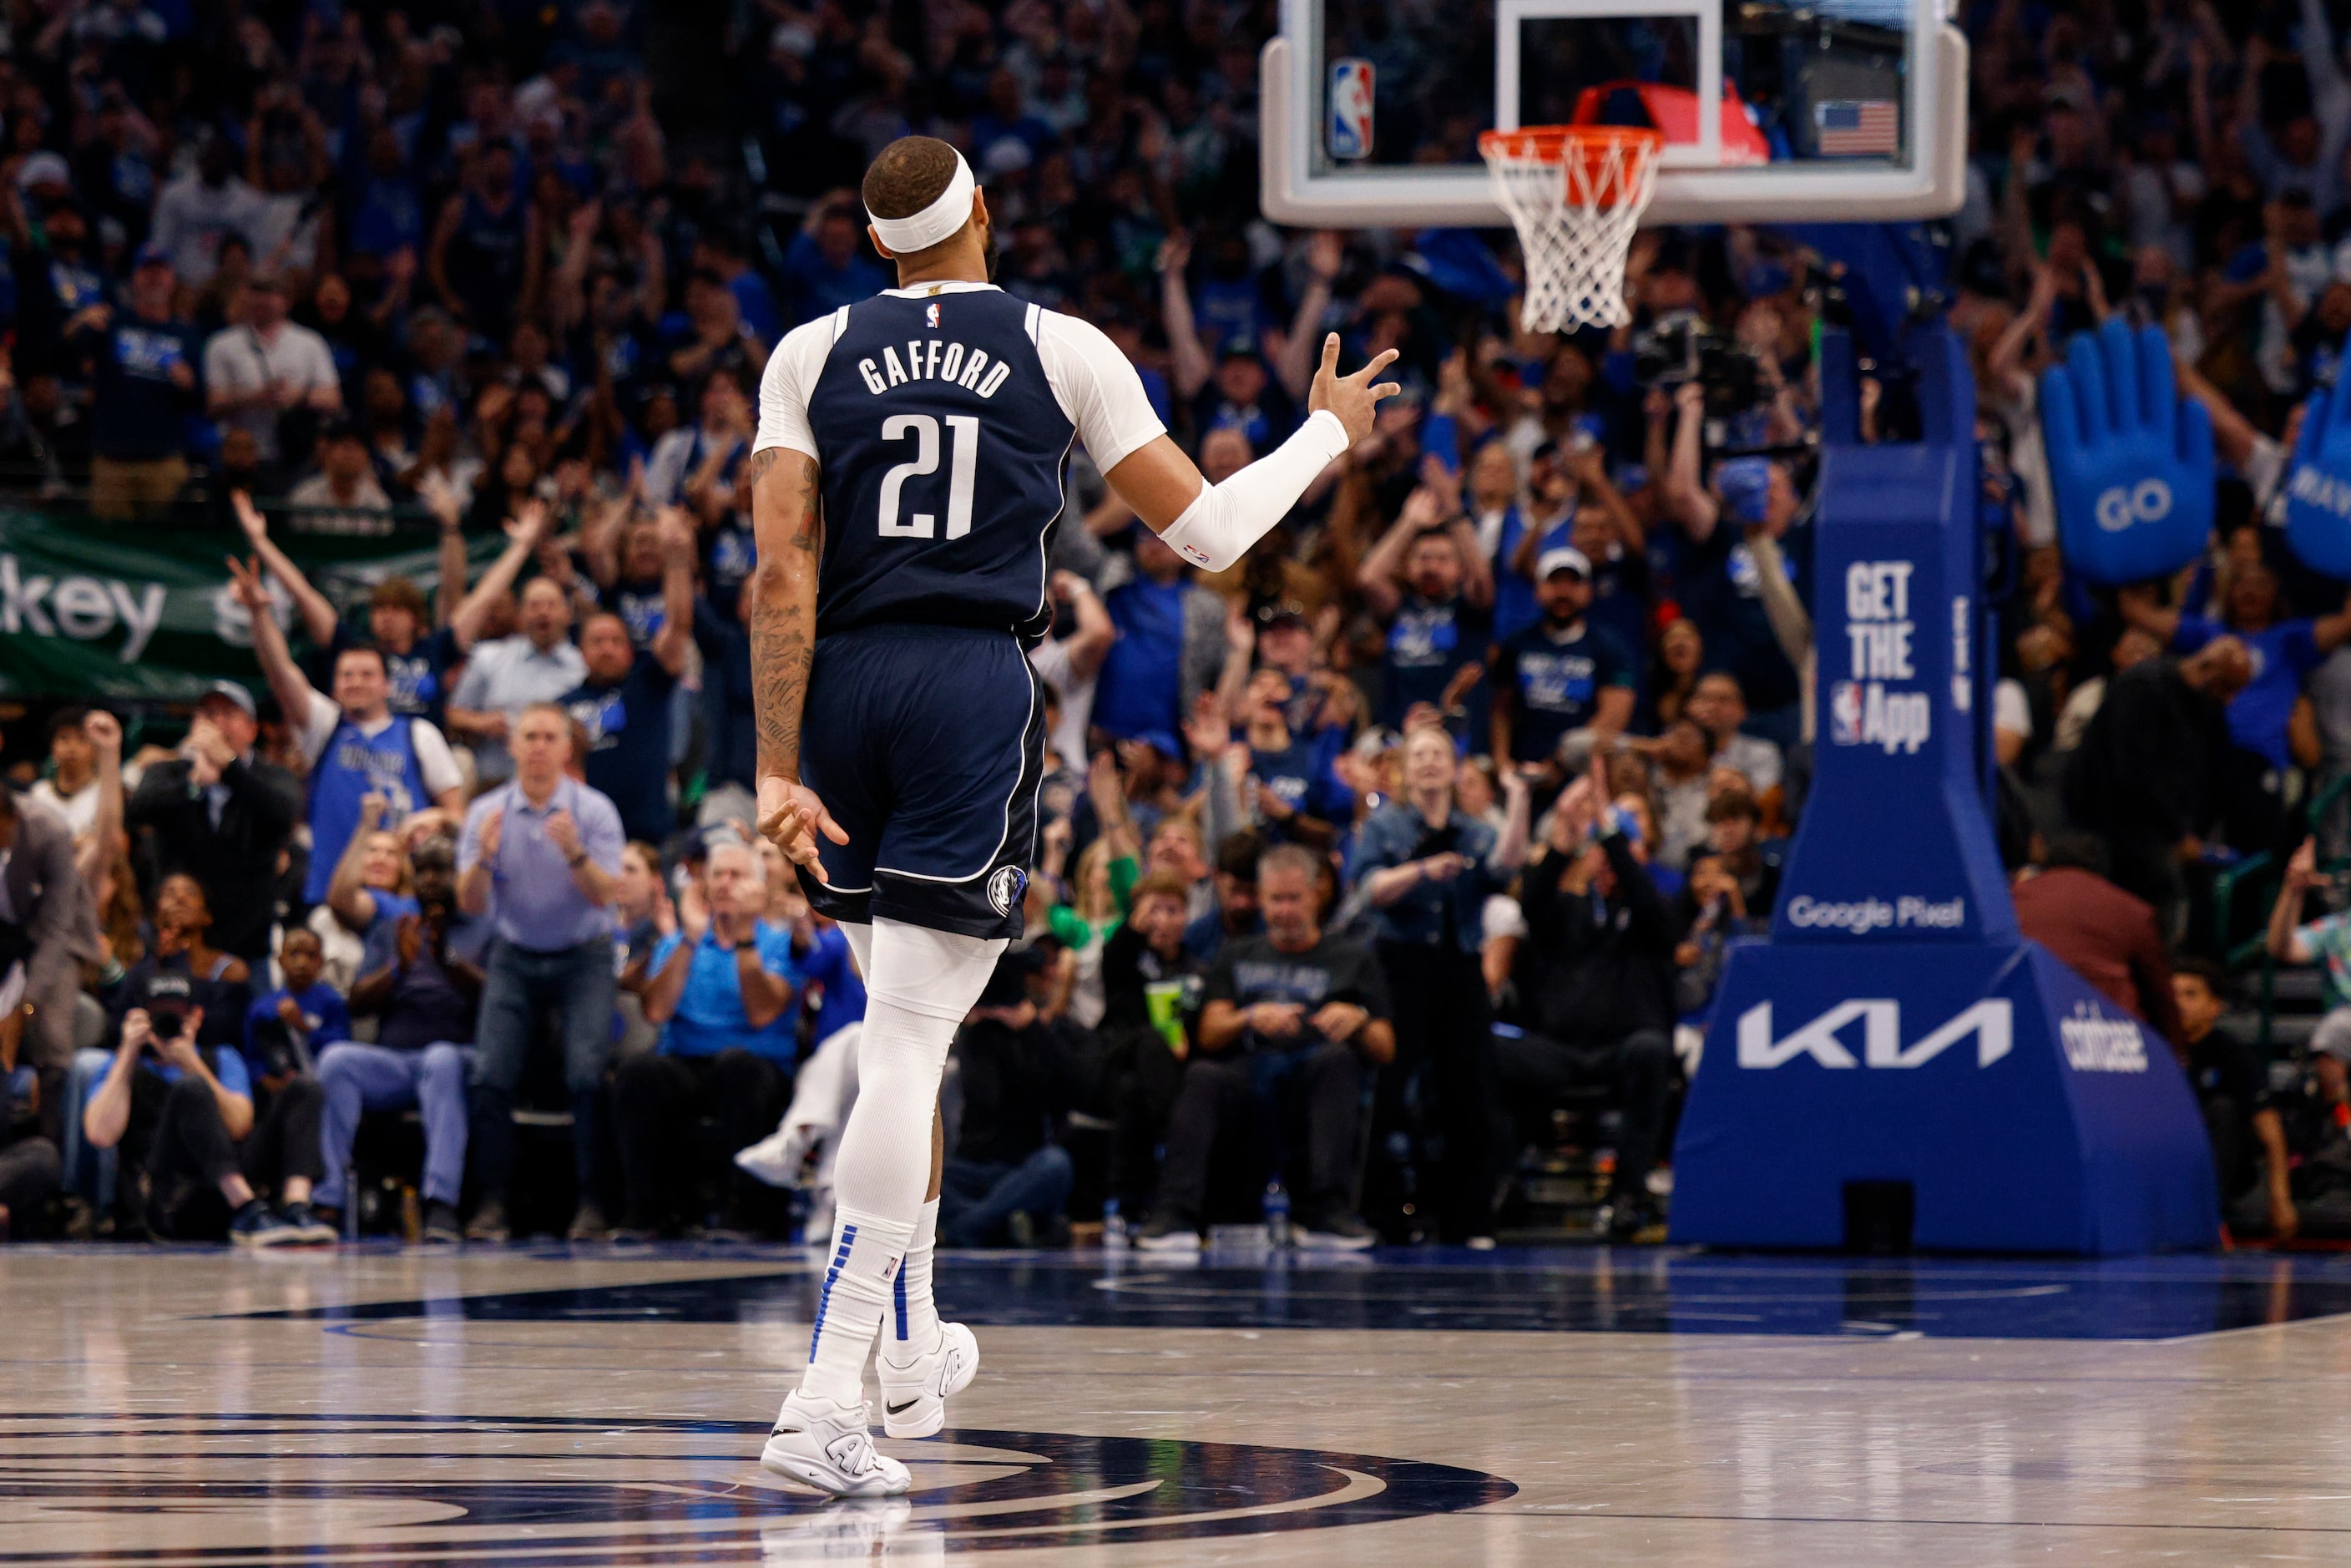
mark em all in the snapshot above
pixel 463 1491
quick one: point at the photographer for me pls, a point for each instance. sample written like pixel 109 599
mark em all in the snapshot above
pixel 420 979
pixel 177 1096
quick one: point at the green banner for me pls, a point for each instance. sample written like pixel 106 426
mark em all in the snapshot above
pixel 92 609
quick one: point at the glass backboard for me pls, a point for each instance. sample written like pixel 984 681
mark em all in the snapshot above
pixel 1830 110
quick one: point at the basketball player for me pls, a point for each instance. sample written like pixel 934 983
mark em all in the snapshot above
pixel 905 482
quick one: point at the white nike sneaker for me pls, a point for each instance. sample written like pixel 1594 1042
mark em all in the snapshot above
pixel 829 1447
pixel 776 1159
pixel 914 1395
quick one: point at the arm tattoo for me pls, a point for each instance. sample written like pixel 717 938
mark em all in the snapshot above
pixel 755 466
pixel 783 614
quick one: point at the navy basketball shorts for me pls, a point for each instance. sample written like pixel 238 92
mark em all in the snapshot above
pixel 928 745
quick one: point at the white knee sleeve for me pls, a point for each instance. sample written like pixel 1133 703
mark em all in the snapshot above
pixel 861 948
pixel 918 988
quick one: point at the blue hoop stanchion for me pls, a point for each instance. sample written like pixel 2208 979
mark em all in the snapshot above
pixel 1896 1029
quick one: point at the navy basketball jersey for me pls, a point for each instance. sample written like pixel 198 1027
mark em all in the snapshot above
pixel 940 451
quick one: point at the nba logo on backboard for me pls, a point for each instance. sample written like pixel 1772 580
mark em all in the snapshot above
pixel 1844 713
pixel 1351 109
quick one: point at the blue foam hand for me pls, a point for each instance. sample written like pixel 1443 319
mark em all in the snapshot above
pixel 2129 463
pixel 2318 484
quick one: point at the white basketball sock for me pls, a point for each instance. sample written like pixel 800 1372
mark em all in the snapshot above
pixel 915 1323
pixel 920 985
pixel 868 1252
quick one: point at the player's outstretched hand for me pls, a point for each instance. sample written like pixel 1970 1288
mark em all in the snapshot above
pixel 790 817
pixel 1351 398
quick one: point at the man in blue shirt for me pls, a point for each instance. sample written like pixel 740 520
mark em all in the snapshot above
pixel 143 381
pixel 1440 622
pixel 722 988
pixel 356 744
pixel 1562 673
pixel 1716 579
pixel 1171 644
pixel 826 266
pixel 540 857
pixel 826 964
pixel 1298 794
pixel 624 704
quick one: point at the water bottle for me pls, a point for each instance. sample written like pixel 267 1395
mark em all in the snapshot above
pixel 1277 1215
pixel 1113 1224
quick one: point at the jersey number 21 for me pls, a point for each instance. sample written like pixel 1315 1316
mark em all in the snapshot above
pixel 962 467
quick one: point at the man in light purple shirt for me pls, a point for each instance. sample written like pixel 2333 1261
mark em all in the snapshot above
pixel 540 856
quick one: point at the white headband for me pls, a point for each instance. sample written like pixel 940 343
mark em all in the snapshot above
pixel 935 223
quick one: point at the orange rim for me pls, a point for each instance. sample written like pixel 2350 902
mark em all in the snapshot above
pixel 1592 146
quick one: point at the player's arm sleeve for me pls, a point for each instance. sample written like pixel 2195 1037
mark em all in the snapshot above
pixel 1105 399
pixel 785 385
pixel 1218 529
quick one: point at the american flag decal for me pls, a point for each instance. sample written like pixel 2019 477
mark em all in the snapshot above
pixel 1858 127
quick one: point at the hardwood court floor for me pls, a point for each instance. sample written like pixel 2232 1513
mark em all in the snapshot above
pixel 548 1408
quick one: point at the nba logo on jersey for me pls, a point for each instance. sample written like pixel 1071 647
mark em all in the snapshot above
pixel 1351 109
pixel 931 316
pixel 1844 713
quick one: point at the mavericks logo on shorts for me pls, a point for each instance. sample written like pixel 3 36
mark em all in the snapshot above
pixel 1005 887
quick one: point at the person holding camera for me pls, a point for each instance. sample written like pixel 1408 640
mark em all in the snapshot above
pixel 178 1097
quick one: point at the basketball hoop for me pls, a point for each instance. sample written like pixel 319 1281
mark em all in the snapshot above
pixel 1575 194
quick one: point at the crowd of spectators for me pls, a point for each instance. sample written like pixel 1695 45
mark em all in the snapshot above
pixel 1364 863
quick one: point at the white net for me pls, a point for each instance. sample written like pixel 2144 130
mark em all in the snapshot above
pixel 1575 194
